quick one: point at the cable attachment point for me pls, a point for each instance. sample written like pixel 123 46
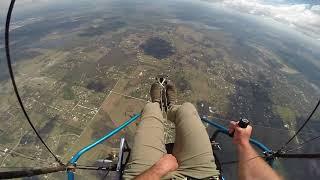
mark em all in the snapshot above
pixel 269 156
pixel 71 167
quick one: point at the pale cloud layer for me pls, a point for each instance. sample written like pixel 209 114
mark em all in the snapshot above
pixel 302 17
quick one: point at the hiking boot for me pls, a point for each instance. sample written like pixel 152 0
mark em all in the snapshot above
pixel 171 93
pixel 155 92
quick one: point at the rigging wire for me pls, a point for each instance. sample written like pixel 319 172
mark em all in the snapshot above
pixel 24 156
pixel 299 146
pixel 7 48
pixel 305 122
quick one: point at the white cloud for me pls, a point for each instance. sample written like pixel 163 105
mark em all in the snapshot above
pixel 315 9
pixel 303 17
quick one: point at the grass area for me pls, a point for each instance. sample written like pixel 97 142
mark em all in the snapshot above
pixel 68 93
pixel 286 114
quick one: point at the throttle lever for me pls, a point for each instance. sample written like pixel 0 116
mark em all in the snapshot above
pixel 243 123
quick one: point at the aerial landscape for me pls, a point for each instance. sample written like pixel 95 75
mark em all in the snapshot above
pixel 83 69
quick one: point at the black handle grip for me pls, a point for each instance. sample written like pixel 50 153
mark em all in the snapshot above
pixel 243 123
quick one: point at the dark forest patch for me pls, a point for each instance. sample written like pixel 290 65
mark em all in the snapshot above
pixel 28 138
pixel 44 132
pixel 158 48
pixel 182 84
pixel 252 101
pixel 48 127
pixel 96 86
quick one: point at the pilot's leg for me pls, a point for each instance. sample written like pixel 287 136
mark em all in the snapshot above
pixel 192 146
pixel 148 145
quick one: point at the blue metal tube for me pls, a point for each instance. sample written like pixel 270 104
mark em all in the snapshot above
pixel 113 132
pixel 260 145
pixel 216 125
pixel 225 131
pixel 75 158
pixel 70 175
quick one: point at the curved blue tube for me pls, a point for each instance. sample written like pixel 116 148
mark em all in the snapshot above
pixel 113 132
pixel 75 158
pixel 225 131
